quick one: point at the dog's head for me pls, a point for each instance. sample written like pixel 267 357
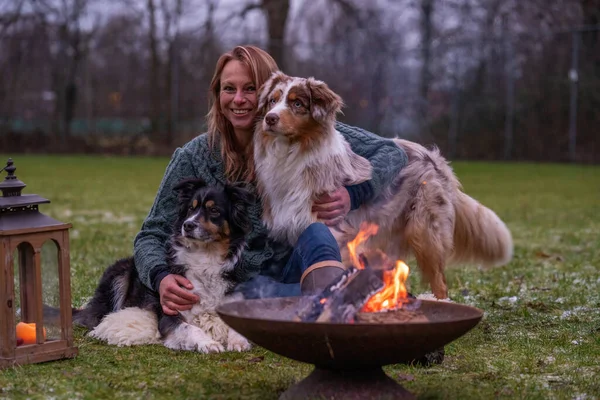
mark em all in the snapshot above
pixel 212 213
pixel 296 107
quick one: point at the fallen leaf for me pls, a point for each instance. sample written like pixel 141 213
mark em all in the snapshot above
pixel 543 254
pixel 256 359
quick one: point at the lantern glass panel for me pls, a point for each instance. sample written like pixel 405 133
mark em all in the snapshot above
pixel 17 286
pixel 26 301
pixel 51 290
pixel 25 293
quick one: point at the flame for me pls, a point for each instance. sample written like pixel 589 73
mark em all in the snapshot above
pixel 366 230
pixel 394 292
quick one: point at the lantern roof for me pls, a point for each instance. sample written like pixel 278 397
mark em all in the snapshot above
pixel 19 213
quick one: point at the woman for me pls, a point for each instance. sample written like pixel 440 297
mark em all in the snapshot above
pixel 224 154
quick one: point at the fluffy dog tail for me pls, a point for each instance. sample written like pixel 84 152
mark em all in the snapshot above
pixel 480 236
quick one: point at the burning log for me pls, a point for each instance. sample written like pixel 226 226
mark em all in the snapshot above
pixel 363 289
pixel 343 298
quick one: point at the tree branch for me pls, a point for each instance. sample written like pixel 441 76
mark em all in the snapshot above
pixel 248 8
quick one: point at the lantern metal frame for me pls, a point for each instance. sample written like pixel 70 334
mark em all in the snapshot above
pixel 24 229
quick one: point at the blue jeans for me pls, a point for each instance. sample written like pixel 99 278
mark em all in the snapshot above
pixel 314 245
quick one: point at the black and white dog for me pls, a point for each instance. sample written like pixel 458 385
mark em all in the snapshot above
pixel 207 241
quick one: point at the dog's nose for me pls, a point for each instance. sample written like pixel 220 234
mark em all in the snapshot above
pixel 272 119
pixel 189 226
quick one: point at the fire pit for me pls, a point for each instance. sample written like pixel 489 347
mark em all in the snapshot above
pixel 348 356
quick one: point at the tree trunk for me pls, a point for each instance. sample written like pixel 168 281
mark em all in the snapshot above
pixel 426 36
pixel 277 14
pixel 591 40
pixel 154 72
pixel 70 88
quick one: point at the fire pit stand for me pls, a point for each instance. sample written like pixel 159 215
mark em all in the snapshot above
pixel 358 384
pixel 348 357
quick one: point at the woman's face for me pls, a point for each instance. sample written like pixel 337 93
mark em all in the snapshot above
pixel 238 99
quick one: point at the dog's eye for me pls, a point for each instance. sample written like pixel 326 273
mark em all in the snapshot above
pixel 297 104
pixel 272 101
pixel 214 211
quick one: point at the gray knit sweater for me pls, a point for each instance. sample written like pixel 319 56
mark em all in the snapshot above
pixel 197 160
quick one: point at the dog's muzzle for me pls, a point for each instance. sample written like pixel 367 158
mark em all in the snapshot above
pixel 193 230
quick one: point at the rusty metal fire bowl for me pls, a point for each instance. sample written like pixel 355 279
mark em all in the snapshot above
pixel 348 357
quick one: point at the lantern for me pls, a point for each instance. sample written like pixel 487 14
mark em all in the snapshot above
pixel 32 329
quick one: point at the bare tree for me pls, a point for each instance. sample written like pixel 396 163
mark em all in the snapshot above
pixel 427 32
pixel 172 12
pixel 20 40
pixel 155 67
pixel 64 18
pixel 591 17
pixel 355 49
pixel 10 14
pixel 276 13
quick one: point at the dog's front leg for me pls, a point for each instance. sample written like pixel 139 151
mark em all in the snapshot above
pixel 190 337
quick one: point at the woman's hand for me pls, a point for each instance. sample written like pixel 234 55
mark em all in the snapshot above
pixel 175 295
pixel 331 208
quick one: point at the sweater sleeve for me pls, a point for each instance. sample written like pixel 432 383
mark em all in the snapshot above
pixel 149 249
pixel 386 158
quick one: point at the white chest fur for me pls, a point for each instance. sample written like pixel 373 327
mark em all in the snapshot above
pixel 291 178
pixel 204 271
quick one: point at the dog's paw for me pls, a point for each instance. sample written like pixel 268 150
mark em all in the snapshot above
pixel 238 344
pixel 192 338
pixel 431 296
pixel 210 346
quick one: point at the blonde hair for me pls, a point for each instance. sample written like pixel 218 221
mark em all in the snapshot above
pixel 238 165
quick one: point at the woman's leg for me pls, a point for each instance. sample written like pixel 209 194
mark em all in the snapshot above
pixel 316 250
pixel 315 245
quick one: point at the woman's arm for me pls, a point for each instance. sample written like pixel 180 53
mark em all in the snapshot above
pixel 149 250
pixel 386 158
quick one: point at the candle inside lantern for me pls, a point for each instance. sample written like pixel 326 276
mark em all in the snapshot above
pixel 26 332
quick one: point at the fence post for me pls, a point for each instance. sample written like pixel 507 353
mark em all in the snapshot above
pixel 574 78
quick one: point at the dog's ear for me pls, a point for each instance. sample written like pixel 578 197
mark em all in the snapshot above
pixel 263 92
pixel 324 102
pixel 241 199
pixel 186 188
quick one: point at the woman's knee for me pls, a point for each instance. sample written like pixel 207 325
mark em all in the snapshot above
pixel 318 244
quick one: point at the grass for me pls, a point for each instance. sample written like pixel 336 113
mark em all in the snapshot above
pixel 539 339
